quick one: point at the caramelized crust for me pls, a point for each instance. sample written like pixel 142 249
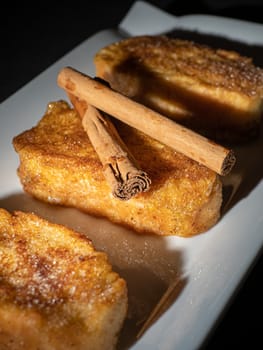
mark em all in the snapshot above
pixel 56 291
pixel 59 165
pixel 217 92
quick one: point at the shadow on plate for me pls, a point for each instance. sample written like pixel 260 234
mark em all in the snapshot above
pixel 246 174
pixel 145 262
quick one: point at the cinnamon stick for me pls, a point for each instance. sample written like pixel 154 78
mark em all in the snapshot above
pixel 120 167
pixel 188 142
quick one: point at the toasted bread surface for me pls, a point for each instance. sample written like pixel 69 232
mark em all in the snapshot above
pixel 216 92
pixel 56 290
pixel 59 165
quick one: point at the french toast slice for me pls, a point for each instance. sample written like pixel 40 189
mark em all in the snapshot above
pixel 218 93
pixel 56 291
pixel 59 165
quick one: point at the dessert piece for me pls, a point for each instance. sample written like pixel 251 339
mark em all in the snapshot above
pixel 218 93
pixel 56 291
pixel 59 165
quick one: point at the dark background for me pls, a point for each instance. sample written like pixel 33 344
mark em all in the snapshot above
pixel 34 37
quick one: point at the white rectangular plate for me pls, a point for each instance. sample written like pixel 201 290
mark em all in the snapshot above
pixel 208 267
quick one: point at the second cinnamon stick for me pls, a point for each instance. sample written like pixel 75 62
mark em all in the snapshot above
pixel 121 170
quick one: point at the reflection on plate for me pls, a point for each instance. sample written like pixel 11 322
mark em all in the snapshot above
pixel 205 270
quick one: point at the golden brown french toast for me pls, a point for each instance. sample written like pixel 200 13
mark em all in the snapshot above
pixel 218 93
pixel 59 165
pixel 56 291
